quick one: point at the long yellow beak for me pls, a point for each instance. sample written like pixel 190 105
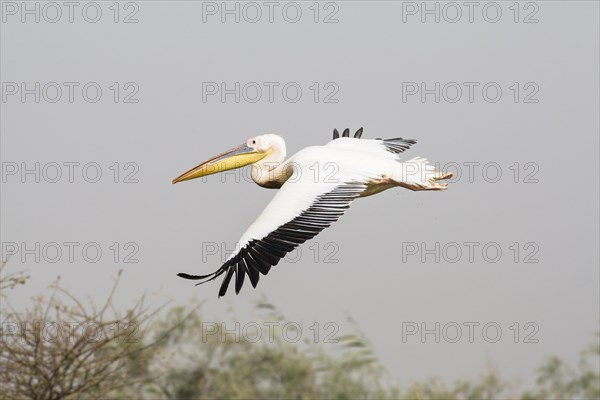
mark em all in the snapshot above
pixel 235 158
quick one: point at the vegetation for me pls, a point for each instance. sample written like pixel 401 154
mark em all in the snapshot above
pixel 134 354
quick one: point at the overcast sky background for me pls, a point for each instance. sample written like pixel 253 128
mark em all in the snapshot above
pixel 368 54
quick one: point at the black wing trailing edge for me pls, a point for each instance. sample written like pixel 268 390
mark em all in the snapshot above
pixel 395 145
pixel 259 255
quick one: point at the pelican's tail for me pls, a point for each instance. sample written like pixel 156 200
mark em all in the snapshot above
pixel 419 174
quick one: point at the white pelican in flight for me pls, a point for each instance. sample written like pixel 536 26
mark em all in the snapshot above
pixel 316 186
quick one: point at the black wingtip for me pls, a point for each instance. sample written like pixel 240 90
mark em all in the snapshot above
pixel 346 132
pixel 358 133
pixel 240 274
pixel 336 134
pixel 225 284
pixel 192 277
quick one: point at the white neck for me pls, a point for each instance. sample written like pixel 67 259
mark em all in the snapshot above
pixel 272 171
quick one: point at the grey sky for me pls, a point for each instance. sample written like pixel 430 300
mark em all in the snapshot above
pixel 365 57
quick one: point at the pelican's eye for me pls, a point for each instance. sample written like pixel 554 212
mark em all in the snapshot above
pixel 253 142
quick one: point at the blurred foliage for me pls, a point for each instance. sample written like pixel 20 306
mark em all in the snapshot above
pixel 174 358
pixel 9 280
pixel 63 347
pixel 225 367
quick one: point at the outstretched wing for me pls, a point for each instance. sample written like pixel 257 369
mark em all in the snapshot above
pixel 298 212
pixel 395 145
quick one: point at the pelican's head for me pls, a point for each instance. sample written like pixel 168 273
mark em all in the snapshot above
pixel 254 150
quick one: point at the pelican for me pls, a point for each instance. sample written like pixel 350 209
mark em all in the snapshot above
pixel 316 186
